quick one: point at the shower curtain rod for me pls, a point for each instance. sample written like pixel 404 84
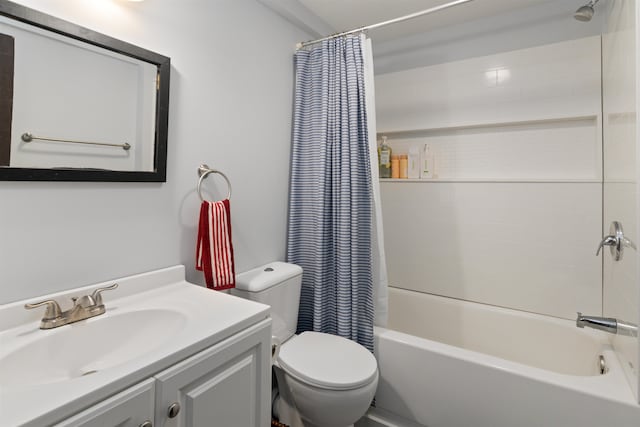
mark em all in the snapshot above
pixel 382 24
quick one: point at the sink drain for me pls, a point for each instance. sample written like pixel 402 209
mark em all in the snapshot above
pixel 88 373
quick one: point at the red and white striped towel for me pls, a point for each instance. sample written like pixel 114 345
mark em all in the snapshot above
pixel 214 250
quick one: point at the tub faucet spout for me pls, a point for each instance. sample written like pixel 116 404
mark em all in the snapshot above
pixel 607 324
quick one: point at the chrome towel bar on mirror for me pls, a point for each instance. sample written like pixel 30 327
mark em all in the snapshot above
pixel 28 137
pixel 203 172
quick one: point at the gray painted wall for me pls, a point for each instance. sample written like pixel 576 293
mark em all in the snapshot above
pixel 231 92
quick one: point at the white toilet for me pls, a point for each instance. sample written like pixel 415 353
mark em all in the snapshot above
pixel 324 380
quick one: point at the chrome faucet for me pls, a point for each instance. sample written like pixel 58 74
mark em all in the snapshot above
pixel 607 324
pixel 83 308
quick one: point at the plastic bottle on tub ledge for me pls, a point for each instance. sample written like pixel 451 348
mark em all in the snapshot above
pixel 427 163
pixel 414 163
pixel 404 166
pixel 395 167
pixel 384 159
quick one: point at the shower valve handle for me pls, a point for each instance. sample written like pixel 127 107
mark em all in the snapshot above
pixel 616 242
pixel 607 241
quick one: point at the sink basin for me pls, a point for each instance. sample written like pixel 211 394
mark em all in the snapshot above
pixel 81 349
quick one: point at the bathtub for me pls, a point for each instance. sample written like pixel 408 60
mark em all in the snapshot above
pixel 451 363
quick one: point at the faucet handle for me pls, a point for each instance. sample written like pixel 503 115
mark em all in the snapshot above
pixel 84 301
pixel 96 294
pixel 53 309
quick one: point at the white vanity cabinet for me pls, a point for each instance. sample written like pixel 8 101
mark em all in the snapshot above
pixel 226 385
pixel 131 408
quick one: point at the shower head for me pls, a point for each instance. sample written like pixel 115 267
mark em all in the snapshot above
pixel 585 13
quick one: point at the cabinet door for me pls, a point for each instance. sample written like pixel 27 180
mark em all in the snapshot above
pixel 227 385
pixel 130 408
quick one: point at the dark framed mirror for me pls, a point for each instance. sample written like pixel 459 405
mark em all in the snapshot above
pixel 77 105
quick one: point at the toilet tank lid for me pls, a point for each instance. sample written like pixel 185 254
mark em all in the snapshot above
pixel 266 276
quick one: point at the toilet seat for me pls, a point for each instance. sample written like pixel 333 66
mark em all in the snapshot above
pixel 327 361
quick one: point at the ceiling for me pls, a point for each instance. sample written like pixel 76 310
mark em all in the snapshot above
pixel 341 15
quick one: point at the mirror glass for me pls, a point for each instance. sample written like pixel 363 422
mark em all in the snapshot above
pixel 77 105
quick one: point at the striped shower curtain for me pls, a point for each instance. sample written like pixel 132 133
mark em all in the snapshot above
pixel 332 229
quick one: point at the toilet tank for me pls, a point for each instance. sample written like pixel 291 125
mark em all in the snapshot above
pixel 276 284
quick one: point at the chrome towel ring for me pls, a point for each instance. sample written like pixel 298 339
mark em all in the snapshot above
pixel 204 171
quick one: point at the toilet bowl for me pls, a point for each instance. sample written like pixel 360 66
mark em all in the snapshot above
pixel 323 380
pixel 331 380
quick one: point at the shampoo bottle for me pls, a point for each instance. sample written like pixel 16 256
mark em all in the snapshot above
pixel 395 167
pixel 384 159
pixel 426 163
pixel 404 166
pixel 414 163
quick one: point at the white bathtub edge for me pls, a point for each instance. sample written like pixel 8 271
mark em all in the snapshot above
pixel 410 366
pixel 616 387
pixel 376 417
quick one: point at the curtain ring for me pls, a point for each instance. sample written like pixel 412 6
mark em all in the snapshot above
pixel 205 171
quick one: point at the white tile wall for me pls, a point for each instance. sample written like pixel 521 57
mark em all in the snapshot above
pixel 527 246
pixel 557 80
pixel 526 240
